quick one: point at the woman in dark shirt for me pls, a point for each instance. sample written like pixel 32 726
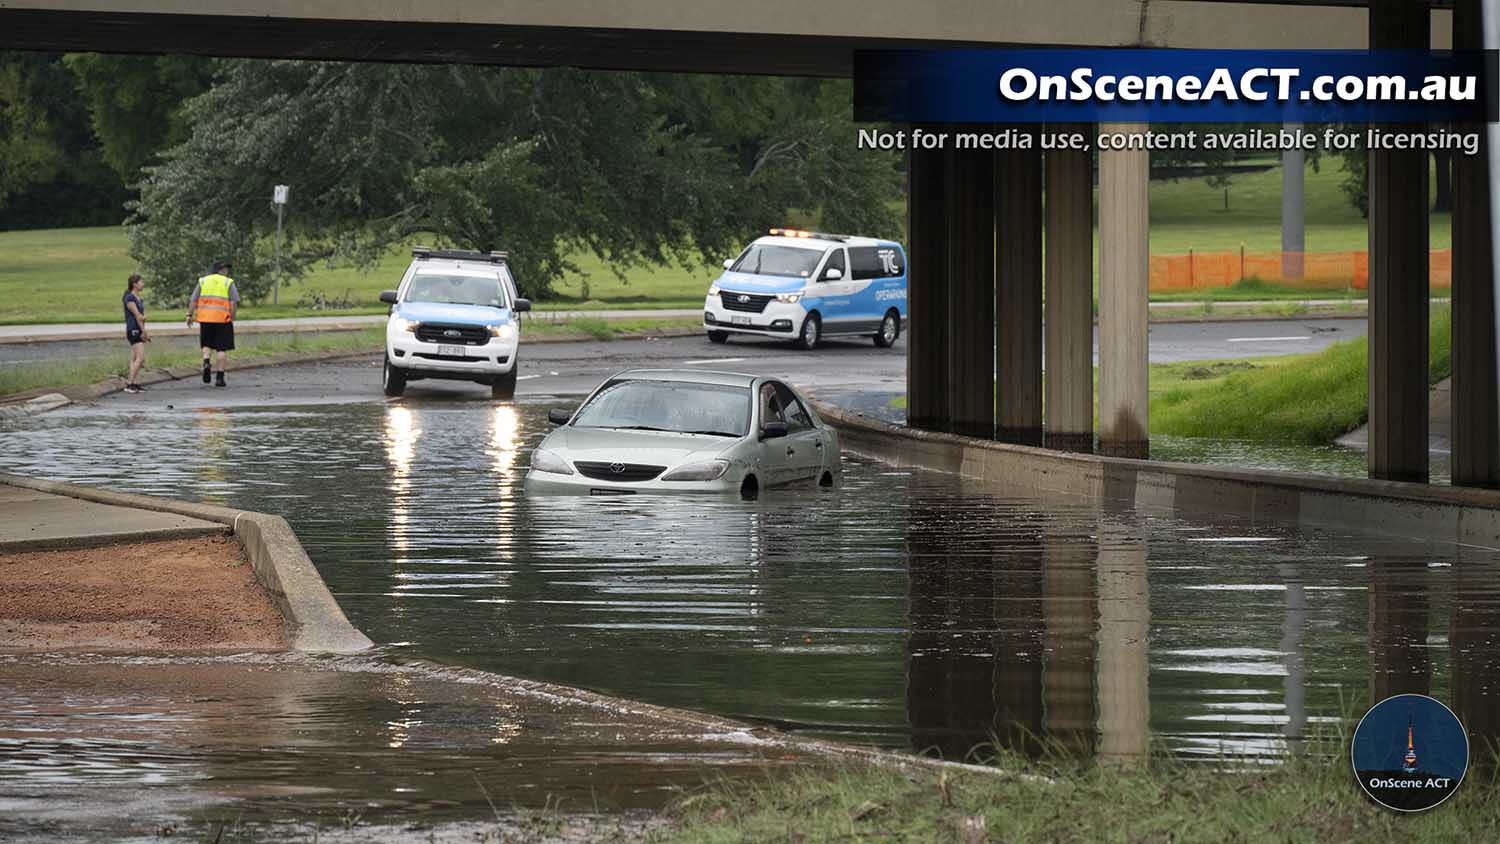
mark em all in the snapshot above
pixel 135 330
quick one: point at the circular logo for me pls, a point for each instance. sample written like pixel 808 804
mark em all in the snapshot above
pixel 617 468
pixel 1410 753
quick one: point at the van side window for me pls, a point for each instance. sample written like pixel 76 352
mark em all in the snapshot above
pixel 836 262
pixel 876 262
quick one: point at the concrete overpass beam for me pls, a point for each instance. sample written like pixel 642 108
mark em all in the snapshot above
pixel 1398 276
pixel 1018 295
pixel 970 327
pixel 1069 259
pixel 927 267
pixel 1124 273
pixel 1476 425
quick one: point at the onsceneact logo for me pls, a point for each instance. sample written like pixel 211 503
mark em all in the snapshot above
pixel 1409 753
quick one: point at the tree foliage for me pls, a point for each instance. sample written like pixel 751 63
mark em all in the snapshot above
pixel 29 152
pixel 135 103
pixel 639 168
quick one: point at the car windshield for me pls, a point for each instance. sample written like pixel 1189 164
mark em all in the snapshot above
pixel 456 289
pixel 684 407
pixel 770 259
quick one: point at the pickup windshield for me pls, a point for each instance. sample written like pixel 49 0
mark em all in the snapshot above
pixel 770 259
pixel 676 406
pixel 454 289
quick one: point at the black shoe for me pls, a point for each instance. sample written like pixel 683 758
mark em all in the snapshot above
pixel 219 380
pixel 132 388
pixel 207 371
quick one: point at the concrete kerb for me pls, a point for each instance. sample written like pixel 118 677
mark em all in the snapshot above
pixel 280 564
pixel 1418 512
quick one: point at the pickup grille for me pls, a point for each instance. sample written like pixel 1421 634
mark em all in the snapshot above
pixel 753 303
pixel 455 335
pixel 629 472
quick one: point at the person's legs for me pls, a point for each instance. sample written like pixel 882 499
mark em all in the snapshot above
pixel 137 357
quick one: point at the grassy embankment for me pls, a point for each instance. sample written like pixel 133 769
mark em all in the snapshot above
pixel 1307 799
pixel 77 275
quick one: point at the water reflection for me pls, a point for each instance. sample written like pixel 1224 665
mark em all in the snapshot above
pixel 905 609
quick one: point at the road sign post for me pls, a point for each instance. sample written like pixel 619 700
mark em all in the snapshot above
pixel 278 199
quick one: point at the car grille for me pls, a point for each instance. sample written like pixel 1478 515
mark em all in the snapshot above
pixel 751 304
pixel 457 335
pixel 629 472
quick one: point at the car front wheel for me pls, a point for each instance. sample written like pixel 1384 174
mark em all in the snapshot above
pixel 718 336
pixel 392 379
pixel 811 334
pixel 504 387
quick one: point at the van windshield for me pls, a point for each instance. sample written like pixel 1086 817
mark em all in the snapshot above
pixel 770 259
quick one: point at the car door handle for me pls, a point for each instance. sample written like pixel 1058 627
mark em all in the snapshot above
pixel 818 446
pixel 791 451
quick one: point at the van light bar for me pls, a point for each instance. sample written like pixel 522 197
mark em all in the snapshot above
pixel 782 232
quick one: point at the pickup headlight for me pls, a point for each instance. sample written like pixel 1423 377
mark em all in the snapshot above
pixel 504 331
pixel 407 325
pixel 713 290
pixel 543 460
pixel 711 470
pixel 789 298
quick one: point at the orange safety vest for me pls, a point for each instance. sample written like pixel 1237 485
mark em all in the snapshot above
pixel 213 298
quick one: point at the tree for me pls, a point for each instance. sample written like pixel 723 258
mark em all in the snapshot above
pixel 638 168
pixel 135 103
pixel 29 153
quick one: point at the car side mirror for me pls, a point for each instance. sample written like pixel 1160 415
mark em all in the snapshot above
pixel 773 430
pixel 522 305
pixel 833 274
pixel 558 416
pixel 388 297
pixel 728 262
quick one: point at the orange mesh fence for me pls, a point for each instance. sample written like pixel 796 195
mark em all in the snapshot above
pixel 1310 270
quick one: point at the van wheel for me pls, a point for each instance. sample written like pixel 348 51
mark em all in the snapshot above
pixel 392 379
pixel 718 336
pixel 504 387
pixel 750 488
pixel 890 329
pixel 811 334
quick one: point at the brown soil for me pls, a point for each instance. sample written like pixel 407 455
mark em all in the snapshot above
pixel 179 595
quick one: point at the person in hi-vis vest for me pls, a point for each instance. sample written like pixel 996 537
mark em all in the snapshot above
pixel 213 306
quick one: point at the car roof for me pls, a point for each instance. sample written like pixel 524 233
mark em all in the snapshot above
pixel 821 242
pixel 475 268
pixel 695 376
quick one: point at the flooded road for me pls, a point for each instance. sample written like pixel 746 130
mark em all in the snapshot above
pixel 908 610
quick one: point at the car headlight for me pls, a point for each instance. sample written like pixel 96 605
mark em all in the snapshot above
pixel 711 470
pixel 789 298
pixel 504 331
pixel 407 325
pixel 543 460
pixel 713 290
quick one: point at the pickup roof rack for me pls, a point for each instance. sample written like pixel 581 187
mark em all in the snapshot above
pixel 423 253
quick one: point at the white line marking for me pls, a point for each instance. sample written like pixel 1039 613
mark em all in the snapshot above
pixel 1264 339
pixel 711 360
pixel 525 377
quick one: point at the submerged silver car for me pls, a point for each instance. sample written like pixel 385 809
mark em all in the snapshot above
pixel 674 430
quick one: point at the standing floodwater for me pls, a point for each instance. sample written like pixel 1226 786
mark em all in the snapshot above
pixel 903 609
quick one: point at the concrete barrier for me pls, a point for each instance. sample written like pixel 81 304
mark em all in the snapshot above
pixel 280 564
pixel 1413 511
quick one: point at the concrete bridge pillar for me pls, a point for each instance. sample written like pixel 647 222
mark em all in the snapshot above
pixel 1018 295
pixel 1124 273
pixel 928 184
pixel 970 328
pixel 1398 275
pixel 1069 260
pixel 1476 425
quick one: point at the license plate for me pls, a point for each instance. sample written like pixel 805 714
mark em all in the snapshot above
pixel 451 351
pixel 739 320
pixel 598 491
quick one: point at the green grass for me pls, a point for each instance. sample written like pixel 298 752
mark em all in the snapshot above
pixel 1309 798
pixel 1310 398
pixel 78 275
pixel 1254 289
pixel 250 347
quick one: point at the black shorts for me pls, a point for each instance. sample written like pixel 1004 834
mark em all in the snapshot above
pixel 133 336
pixel 218 336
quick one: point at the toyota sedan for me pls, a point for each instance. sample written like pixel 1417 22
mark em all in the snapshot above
pixel 668 430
